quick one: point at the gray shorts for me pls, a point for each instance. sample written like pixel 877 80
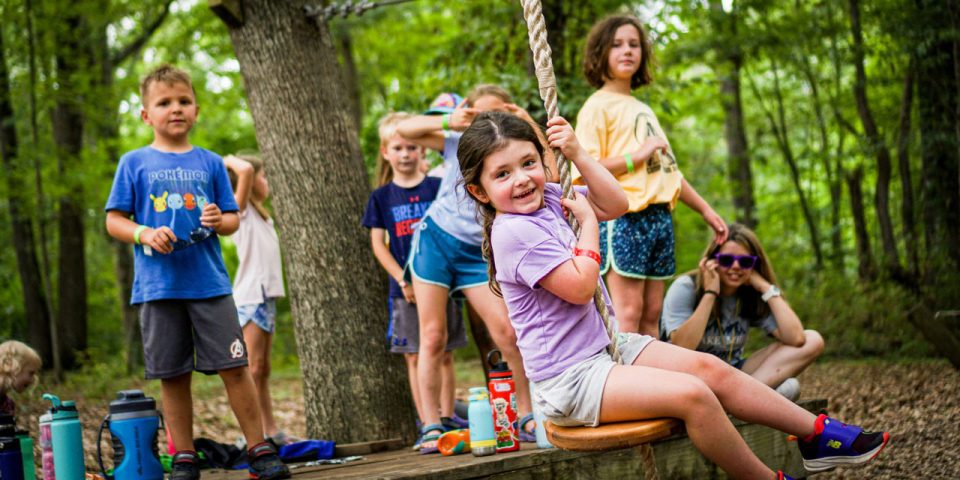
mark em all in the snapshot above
pixel 180 336
pixel 573 398
pixel 404 331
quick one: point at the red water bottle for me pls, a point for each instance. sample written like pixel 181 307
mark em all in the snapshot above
pixel 503 402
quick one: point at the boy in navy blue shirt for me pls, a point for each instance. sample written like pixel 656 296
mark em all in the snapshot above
pixel 179 198
pixel 393 213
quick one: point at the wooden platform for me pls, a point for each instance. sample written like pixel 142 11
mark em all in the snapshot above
pixel 676 458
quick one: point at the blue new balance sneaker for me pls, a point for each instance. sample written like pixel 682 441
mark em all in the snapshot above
pixel 835 443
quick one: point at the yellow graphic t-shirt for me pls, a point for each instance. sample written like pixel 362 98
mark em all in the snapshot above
pixel 611 124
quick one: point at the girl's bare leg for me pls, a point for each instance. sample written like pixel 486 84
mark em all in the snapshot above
pixel 637 392
pixel 740 394
pixel 777 362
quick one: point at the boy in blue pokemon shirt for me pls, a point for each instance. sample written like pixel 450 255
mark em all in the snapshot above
pixel 171 199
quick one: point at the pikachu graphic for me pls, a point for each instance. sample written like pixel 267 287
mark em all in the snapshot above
pixel 160 203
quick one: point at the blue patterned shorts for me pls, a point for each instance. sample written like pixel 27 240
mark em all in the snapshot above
pixel 640 244
pixel 263 315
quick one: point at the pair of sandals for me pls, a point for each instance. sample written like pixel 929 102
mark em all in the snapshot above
pixel 430 434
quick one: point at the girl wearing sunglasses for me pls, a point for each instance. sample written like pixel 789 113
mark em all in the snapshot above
pixel 711 310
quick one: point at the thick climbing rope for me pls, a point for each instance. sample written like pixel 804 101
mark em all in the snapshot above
pixel 543 63
pixel 537 33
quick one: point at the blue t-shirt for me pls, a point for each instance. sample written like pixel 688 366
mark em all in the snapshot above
pixel 170 189
pixel 397 209
pixel 454 210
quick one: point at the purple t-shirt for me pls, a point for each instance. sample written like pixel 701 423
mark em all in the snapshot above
pixel 552 334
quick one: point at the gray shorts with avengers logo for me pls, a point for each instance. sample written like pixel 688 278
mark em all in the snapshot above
pixel 180 336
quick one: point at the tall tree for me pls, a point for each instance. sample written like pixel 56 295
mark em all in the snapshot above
pixel 729 50
pixel 781 131
pixel 24 241
pixel 876 146
pixel 307 136
pixel 72 61
pixel 937 99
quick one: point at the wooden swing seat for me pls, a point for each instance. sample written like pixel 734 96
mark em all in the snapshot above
pixel 611 436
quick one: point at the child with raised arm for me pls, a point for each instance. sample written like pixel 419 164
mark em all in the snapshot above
pixel 258 282
pixel 392 214
pixel 171 199
pixel 447 259
pixel 547 277
pixel 637 249
pixel 19 365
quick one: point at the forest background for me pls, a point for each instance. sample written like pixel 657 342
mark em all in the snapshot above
pixel 831 127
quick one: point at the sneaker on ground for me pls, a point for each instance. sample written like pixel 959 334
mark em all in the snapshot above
pixel 185 466
pixel 265 464
pixel 790 388
pixel 835 443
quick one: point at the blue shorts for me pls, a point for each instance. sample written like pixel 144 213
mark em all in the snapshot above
pixel 263 315
pixel 439 258
pixel 640 244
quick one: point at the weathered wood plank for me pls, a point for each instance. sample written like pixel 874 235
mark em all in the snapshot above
pixel 676 458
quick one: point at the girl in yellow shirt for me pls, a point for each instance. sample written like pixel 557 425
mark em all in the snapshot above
pixel 625 135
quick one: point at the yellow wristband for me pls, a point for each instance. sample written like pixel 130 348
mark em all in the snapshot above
pixel 445 121
pixel 628 159
pixel 137 232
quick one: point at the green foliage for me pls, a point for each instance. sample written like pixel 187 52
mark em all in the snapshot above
pixel 406 54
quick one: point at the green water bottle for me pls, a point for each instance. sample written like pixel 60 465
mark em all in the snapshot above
pixel 26 449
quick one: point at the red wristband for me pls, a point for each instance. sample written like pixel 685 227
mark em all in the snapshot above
pixel 587 253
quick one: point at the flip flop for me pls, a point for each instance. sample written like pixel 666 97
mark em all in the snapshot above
pixel 428 441
pixel 529 437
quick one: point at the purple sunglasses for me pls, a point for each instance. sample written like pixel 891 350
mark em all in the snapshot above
pixel 726 260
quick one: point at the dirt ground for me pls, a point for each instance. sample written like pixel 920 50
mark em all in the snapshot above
pixel 917 401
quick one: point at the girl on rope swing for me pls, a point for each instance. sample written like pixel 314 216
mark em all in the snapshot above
pixel 547 278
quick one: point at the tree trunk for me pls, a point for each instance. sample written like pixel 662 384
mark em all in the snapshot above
pixel 937 102
pixel 778 124
pixel 68 125
pixel 738 155
pixel 865 266
pixel 906 179
pixel 34 301
pixel 834 178
pixel 877 147
pixel 355 390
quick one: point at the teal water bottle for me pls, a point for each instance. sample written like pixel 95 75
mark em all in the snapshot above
pixel 62 441
pixel 483 440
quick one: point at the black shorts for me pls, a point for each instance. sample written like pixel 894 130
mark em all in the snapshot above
pixel 180 336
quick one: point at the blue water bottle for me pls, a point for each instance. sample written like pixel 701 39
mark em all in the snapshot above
pixel 62 441
pixel 133 422
pixel 483 440
pixel 11 461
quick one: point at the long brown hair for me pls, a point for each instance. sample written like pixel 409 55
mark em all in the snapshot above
pixel 750 305
pixel 596 52
pixel 489 133
pixel 257 163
